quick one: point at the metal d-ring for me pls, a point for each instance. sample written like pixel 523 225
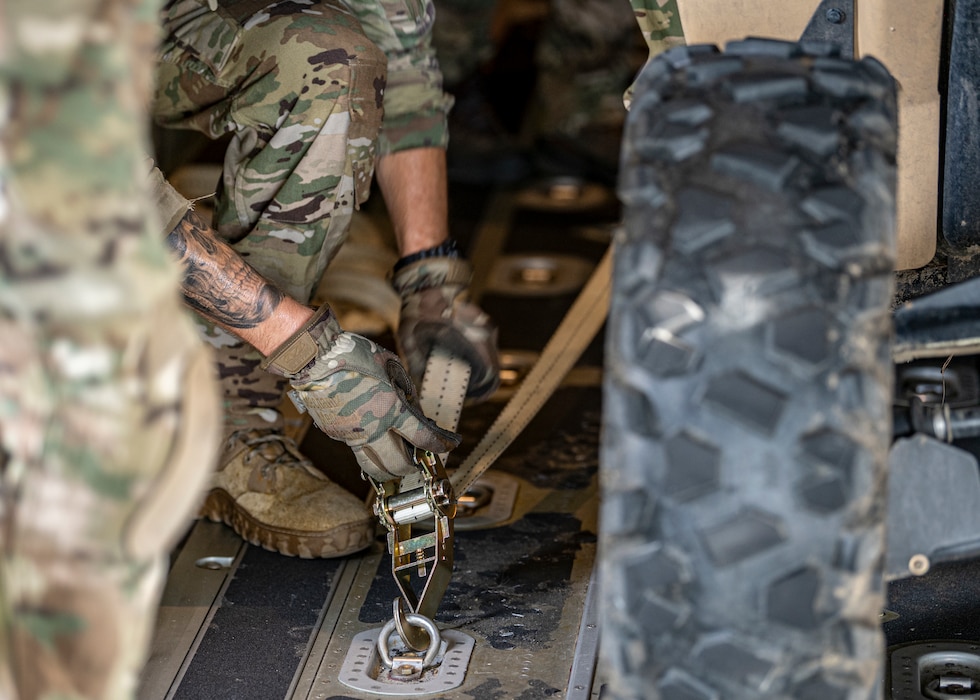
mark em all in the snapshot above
pixel 435 639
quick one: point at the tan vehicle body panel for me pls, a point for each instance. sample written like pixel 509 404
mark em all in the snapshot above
pixel 906 36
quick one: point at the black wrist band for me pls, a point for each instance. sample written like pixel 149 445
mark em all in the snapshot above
pixel 446 249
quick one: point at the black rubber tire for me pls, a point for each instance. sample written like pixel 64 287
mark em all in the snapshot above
pixel 747 396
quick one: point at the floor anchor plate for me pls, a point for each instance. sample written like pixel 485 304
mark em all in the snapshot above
pixel 362 669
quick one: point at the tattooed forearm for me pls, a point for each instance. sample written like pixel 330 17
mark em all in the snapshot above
pixel 217 283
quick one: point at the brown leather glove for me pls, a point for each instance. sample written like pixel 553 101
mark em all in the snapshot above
pixel 435 313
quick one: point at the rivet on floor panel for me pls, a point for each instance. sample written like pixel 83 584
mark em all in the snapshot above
pixel 514 366
pixel 538 274
pixel 214 563
pixel 562 194
pixel 487 503
pixel 919 565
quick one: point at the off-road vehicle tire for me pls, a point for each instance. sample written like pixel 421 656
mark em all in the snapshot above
pixel 747 395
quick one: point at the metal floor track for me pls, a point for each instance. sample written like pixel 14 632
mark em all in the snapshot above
pixel 241 623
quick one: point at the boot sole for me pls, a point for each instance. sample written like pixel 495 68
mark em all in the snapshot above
pixel 341 541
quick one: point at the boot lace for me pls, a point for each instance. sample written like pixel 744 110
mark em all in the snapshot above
pixel 287 455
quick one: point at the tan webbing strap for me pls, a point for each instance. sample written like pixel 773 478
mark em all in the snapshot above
pixel 573 335
pixel 441 396
pixel 443 389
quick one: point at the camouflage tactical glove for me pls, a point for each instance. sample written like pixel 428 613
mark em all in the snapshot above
pixel 359 393
pixel 435 313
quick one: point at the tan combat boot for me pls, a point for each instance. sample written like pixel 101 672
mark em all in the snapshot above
pixel 264 488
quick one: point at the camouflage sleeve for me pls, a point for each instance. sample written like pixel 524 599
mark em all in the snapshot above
pixel 660 23
pixel 415 105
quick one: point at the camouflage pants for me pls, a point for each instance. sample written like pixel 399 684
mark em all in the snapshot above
pixel 106 403
pixel 585 56
pixel 299 84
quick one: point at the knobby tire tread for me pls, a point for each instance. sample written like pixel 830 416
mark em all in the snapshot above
pixel 747 391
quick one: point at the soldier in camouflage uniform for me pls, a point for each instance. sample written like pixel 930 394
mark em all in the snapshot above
pixel 104 402
pixel 660 24
pixel 107 407
pixel 302 86
pixel 308 113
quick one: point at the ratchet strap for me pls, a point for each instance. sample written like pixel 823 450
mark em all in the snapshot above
pixel 424 559
pixel 446 389
pixel 427 557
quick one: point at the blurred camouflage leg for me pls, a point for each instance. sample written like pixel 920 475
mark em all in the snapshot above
pixel 481 149
pixel 107 414
pixel 92 507
pixel 587 55
pixel 585 59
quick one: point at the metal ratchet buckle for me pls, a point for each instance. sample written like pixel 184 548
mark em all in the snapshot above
pixel 420 561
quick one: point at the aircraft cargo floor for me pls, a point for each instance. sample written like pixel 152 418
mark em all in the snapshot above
pixel 240 623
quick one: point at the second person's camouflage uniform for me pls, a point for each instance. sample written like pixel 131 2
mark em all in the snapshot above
pixel 586 55
pixel 107 410
pixel 312 94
